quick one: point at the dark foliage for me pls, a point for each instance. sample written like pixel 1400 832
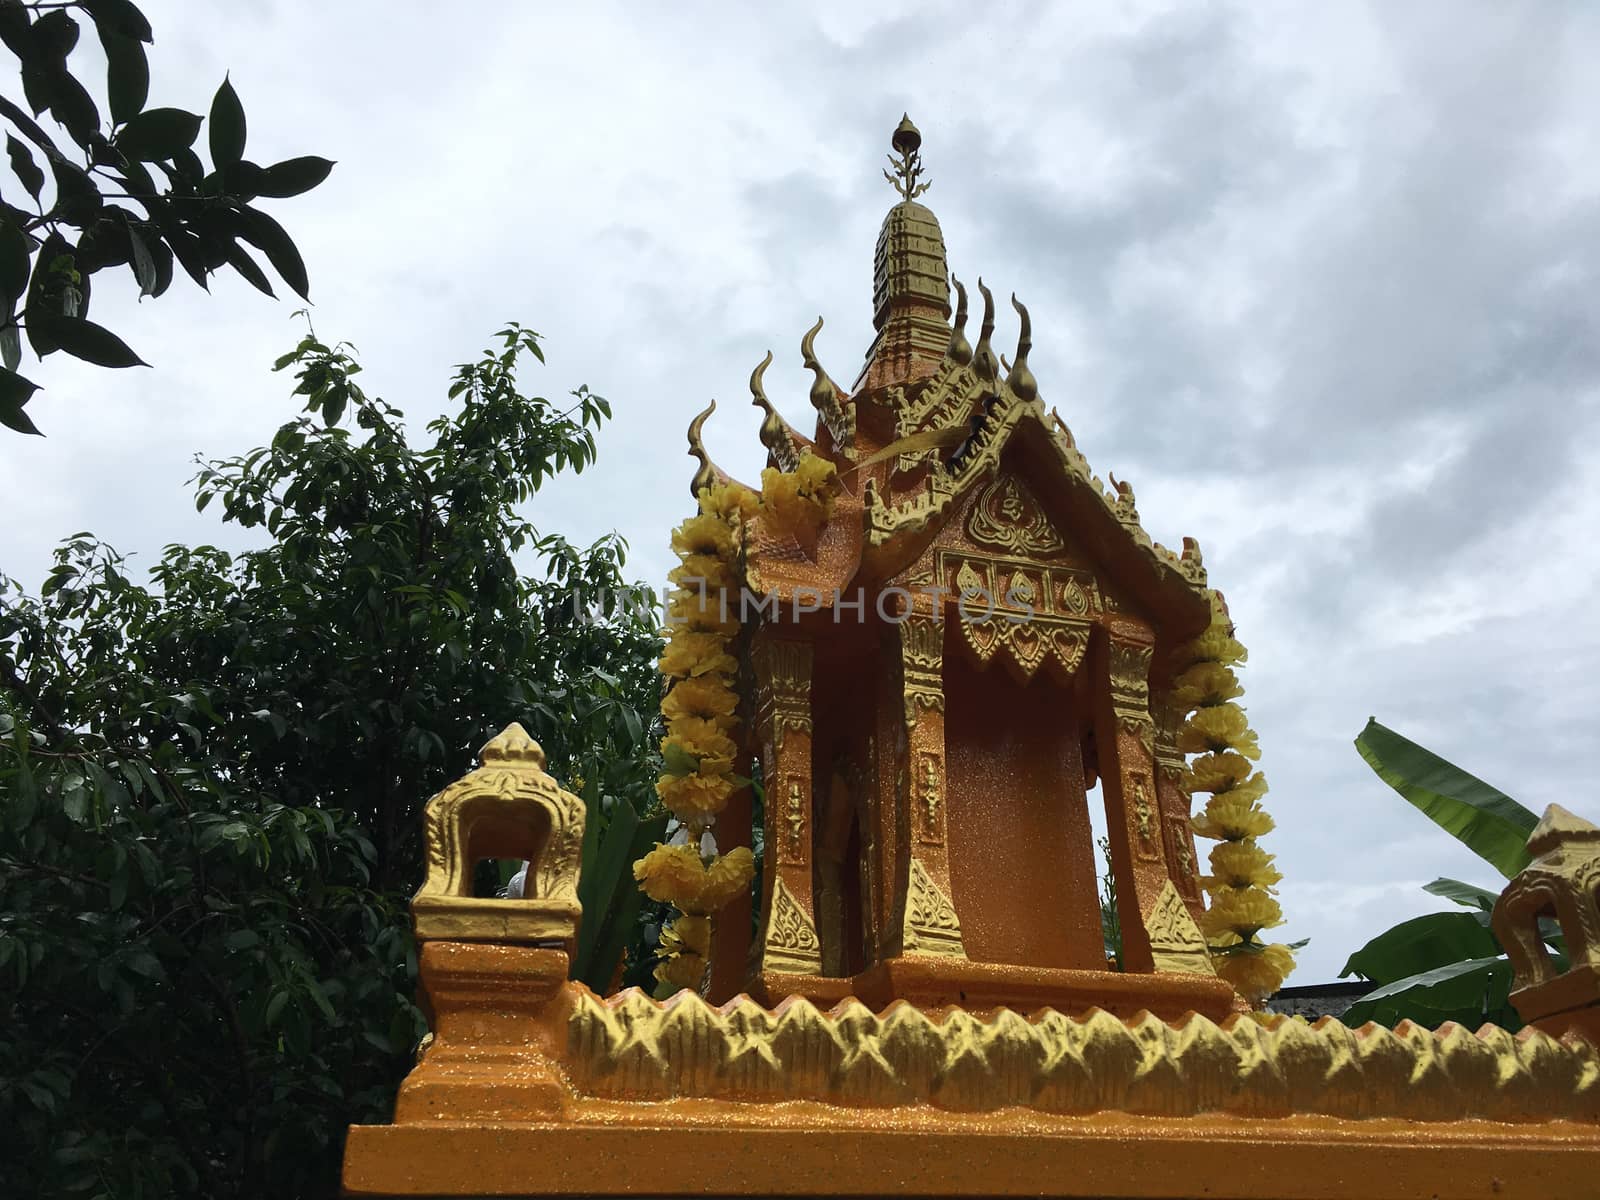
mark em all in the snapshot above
pixel 117 184
pixel 210 783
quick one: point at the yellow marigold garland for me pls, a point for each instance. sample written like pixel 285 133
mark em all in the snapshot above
pixel 700 705
pixel 1243 878
pixel 700 708
pixel 798 501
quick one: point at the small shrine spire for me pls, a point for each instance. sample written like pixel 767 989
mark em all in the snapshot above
pixel 907 140
pixel 911 290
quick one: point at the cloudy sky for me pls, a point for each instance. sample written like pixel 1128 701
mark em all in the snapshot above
pixel 1320 279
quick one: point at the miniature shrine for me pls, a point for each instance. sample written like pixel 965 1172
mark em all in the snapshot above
pixel 904 666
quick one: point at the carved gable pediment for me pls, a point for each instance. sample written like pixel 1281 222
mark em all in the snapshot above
pixel 1005 516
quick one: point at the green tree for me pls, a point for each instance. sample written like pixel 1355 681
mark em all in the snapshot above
pixel 1445 966
pixel 118 184
pixel 211 782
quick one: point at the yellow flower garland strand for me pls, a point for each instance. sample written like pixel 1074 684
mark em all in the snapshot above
pixel 1243 878
pixel 700 705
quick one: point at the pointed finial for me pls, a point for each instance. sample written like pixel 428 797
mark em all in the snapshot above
pixel 908 167
pixel 983 361
pixel 1557 827
pixel 775 433
pixel 706 475
pixel 512 744
pixel 840 420
pixel 960 351
pixel 1020 379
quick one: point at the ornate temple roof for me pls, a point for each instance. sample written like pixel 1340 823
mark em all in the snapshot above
pixel 929 420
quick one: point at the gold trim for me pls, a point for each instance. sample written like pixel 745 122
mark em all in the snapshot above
pixel 631 1047
pixel 505 808
pixel 931 829
pixel 931 925
pixel 790 945
pixel 1130 691
pixel 1176 943
pixel 921 665
pixel 783 686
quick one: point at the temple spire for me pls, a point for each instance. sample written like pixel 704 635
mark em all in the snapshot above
pixel 911 289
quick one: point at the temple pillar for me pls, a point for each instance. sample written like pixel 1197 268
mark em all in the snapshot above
pixel 730 942
pixel 1125 737
pixel 789 944
pixel 925 919
pixel 1173 803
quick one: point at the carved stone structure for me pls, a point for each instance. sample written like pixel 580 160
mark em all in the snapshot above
pixel 1562 884
pixel 921 1004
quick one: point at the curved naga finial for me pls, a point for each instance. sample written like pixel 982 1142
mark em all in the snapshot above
pixel 1021 380
pixel 841 421
pixel 776 435
pixel 960 350
pixel 706 474
pixel 983 360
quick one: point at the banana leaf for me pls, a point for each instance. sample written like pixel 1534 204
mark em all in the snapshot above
pixel 1422 944
pixel 1484 819
pixel 1469 894
pixel 1469 992
pixel 612 842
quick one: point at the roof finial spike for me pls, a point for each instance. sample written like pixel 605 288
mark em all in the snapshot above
pixel 706 474
pixel 775 434
pixel 840 420
pixel 960 350
pixel 983 361
pixel 1020 379
pixel 908 166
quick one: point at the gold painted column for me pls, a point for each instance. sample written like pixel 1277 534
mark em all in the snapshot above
pixel 789 944
pixel 1173 803
pixel 1125 737
pixel 925 917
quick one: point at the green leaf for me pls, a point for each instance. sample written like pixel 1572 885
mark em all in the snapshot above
pixel 15 252
pixel 607 889
pixel 1471 987
pixel 127 74
pixel 1469 894
pixel 14 393
pixel 1483 818
pixel 227 126
pixel 1422 944
pixel 22 165
pixel 158 134
pixel 93 343
pixel 71 104
pixel 678 761
pixel 266 235
pixel 119 16
pixel 293 176
pixel 54 36
pixel 239 259
pixel 320 997
pixel 10 346
pixel 143 264
pixel 274 1007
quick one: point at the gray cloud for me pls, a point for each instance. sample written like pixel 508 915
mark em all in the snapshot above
pixel 1319 279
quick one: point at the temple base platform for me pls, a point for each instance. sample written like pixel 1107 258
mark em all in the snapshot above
pixel 534 1086
pixel 689 1148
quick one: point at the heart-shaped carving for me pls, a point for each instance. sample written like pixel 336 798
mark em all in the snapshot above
pixel 983 637
pixel 1068 645
pixel 1027 647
